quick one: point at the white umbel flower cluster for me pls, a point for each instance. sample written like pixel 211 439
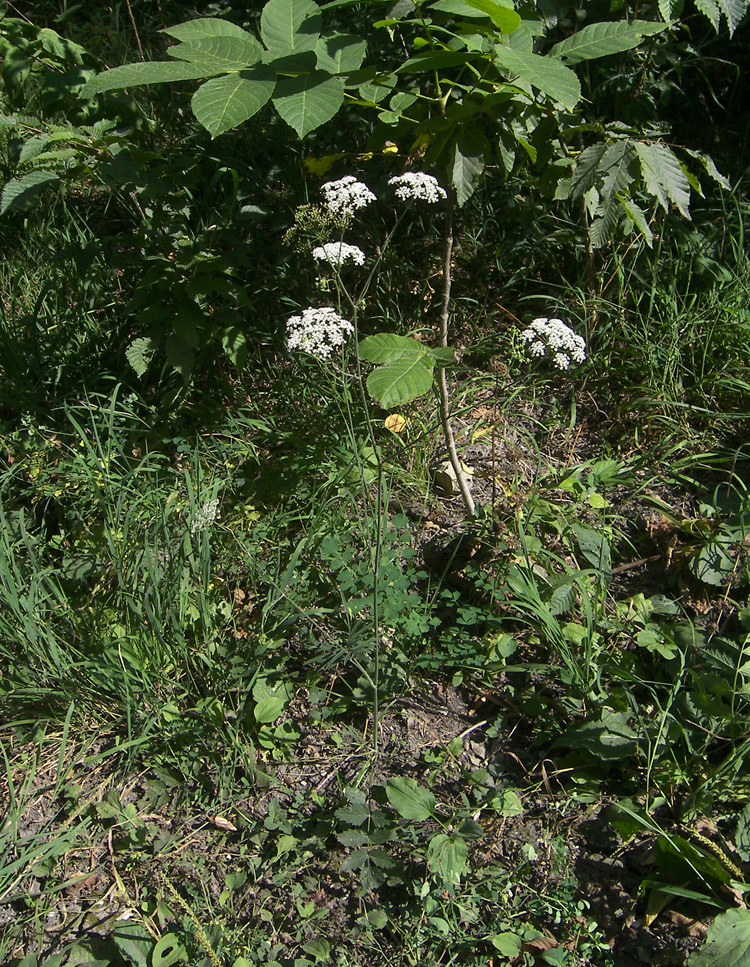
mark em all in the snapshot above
pixel 208 514
pixel 559 339
pixel 346 196
pixel 339 253
pixel 318 331
pixel 417 186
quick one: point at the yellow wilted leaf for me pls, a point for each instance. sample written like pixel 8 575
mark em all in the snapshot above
pixel 321 166
pixel 395 423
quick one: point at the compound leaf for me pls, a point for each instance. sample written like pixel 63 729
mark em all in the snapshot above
pixel 468 163
pixel 309 100
pixel 290 26
pixel 149 72
pixel 193 30
pixel 217 54
pixel 340 53
pixel 225 102
pixel 599 40
pixel 546 74
pixel 584 175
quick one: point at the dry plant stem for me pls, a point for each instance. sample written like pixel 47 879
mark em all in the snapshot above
pixel 450 441
pixel 135 29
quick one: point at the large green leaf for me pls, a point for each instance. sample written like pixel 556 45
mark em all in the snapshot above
pixel 219 53
pixel 290 26
pixel 226 102
pixel 307 101
pixel 206 27
pixel 406 370
pixel 150 72
pixel 408 799
pixel 609 737
pixel 664 175
pixel 340 53
pixel 599 40
pixel 387 346
pixel 546 74
pixel 133 941
pixel 401 381
pixel 727 942
pixel 459 8
pixel 168 951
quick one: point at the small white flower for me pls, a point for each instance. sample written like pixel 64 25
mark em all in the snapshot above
pixel 555 335
pixel 207 515
pixel 318 331
pixel 338 253
pixel 346 196
pixel 417 186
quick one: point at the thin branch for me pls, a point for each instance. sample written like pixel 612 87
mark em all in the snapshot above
pixel 450 441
